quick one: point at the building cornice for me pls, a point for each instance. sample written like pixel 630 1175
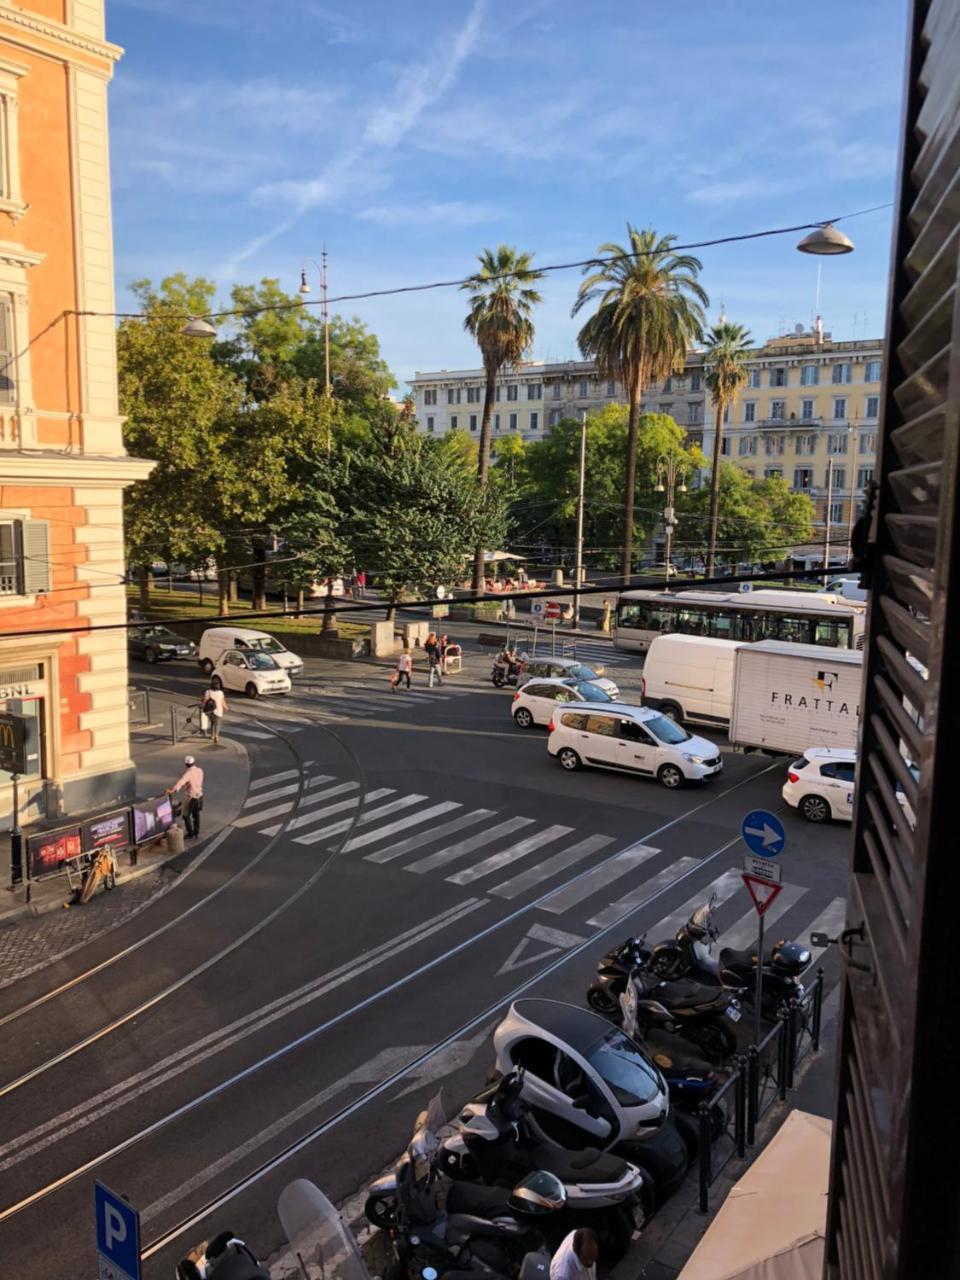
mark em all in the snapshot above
pixel 14 255
pixel 59 34
pixel 53 468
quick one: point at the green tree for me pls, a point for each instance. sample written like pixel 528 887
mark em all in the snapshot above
pixel 649 311
pixel 725 360
pixel 461 448
pixel 757 519
pixel 314 548
pixel 509 452
pixel 499 320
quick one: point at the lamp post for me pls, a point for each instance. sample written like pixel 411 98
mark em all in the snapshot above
pixel 324 312
pixel 852 429
pixel 583 471
pixel 670 467
pixel 826 523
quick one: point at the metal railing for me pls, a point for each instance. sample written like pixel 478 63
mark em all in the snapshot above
pixel 762 1076
pixel 138 706
pixel 185 722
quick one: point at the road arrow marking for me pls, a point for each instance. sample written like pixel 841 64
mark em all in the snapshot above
pixel 556 939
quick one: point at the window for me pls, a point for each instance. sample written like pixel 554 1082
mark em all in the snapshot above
pixel 554 417
pixel 10 198
pixel 667 386
pixel 556 390
pixel 667 408
pixel 726 414
pixel 695 441
pixel 837 442
pixel 809 375
pixel 873 407
pixel 693 414
pixel 840 407
pixel 695 382
pixel 836 512
pixel 533 391
pixel 839 477
pixel 496 422
pixel 8 356
pixel 842 373
pixel 754 377
pixel 843 771
pixel 725 447
pixel 778 409
pixel 872 371
pixel 868 442
pixel 806 411
pixel 534 421
pixel 430 396
pixel 513 391
pixel 748 445
pixel 606 726
pixel 430 423
pixel 473 395
pixel 453 422
pixel 583 388
pixel 778 377
pixel 499 396
pixel 864 476
pixel 802 477
pixel 574 720
pixel 611 388
pixel 750 411
pixel 773 473
pixel 453 395
pixel 773 446
pixel 512 421
pixel 806 444
pixel 473 422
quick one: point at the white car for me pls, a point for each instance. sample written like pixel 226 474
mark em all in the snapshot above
pixel 566 669
pixel 820 784
pixel 634 740
pixel 250 672
pixel 536 701
pixel 215 642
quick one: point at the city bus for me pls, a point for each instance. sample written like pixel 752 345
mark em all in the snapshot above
pixel 801 616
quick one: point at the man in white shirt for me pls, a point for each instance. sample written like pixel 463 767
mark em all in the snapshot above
pixel 214 705
pixel 191 784
pixel 576 1258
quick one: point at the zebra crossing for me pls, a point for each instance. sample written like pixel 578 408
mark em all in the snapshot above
pixel 508 856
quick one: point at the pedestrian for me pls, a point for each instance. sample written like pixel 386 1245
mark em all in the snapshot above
pixel 576 1258
pixel 361 584
pixel 404 667
pixel 431 647
pixel 444 645
pixel 214 705
pixel 191 783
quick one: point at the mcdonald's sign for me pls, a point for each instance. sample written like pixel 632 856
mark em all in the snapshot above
pixel 12 753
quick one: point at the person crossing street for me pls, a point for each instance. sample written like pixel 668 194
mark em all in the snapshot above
pixel 431 647
pixel 190 783
pixel 214 706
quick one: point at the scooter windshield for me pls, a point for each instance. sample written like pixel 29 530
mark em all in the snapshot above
pixel 320 1244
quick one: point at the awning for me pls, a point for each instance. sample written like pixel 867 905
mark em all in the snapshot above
pixel 771 1226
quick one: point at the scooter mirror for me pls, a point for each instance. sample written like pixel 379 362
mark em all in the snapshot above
pixel 819 940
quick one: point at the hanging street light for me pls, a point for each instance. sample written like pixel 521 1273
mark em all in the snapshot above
pixel 197 327
pixel 826 241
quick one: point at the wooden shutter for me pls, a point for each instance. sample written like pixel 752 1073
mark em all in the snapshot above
pixel 895 1194
pixel 36 557
pixel 8 357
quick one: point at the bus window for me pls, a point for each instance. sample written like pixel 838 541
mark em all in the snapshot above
pixel 835 633
pixel 693 622
pixel 796 630
pixel 722 624
pixel 628 615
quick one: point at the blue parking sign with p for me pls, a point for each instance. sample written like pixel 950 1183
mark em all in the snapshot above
pixel 118 1232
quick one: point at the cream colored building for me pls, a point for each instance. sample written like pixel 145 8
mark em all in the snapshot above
pixel 811 404
pixel 63 467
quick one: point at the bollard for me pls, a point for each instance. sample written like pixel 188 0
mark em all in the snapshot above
pixel 705 1154
pixel 173 725
pixel 817 1011
pixel 753 1091
pixel 175 839
pixel 783 1051
pixel 793 1034
pixel 740 1107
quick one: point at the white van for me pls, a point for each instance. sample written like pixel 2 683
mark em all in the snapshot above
pixel 638 740
pixel 215 642
pixel 690 678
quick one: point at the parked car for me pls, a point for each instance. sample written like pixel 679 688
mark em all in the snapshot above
pixel 158 644
pixel 536 701
pixel 567 669
pixel 820 784
pixel 634 740
pixel 215 641
pixel 250 672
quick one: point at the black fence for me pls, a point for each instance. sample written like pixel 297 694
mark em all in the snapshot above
pixel 759 1078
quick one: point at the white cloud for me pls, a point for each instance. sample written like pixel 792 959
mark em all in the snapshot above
pixel 449 213
pixel 756 188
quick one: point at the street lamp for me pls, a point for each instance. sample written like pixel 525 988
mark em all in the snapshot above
pixel 826 241
pixel 583 472
pixel 324 312
pixel 672 467
pixel 197 327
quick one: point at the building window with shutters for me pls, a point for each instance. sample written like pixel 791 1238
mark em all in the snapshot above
pixel 496 422
pixel 554 417
pixel 809 375
pixel 534 391
pixel 778 410
pixel 513 391
pixel 453 422
pixel 11 201
pixel 872 371
pixel 24 557
pixel 695 382
pixel 839 477
pixel 864 476
pixel 842 373
pixel 583 388
pixel 430 423
pixel 754 377
pixel 806 410
pixel 836 512
pixel 837 442
pixel 473 422
pixel 773 446
pixel 868 442
pixel 840 407
pixel 513 421
pixel 8 356
pixel 778 377
pixel 534 421
pixel 557 390
pixel 873 407
pixel 430 396
pixel 750 411
pixel 802 477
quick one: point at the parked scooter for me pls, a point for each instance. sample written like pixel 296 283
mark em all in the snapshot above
pixel 494 1145
pixel 225 1257
pixel 691 953
pixel 507 668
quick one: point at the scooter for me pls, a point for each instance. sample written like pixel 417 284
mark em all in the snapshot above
pixel 225 1257
pixel 507 668
pixel 494 1144
pixel 691 953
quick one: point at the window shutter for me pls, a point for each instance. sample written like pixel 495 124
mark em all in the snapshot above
pixel 8 384
pixel 36 557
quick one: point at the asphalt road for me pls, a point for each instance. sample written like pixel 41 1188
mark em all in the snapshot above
pixel 405 864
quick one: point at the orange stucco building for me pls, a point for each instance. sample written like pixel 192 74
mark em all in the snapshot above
pixel 63 467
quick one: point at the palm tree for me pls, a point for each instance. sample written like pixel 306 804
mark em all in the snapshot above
pixel 725 360
pixel 501 300
pixel 649 312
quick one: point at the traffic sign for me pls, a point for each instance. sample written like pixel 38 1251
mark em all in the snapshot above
pixel 762 868
pixel 552 609
pixel 118 1234
pixel 763 892
pixel 763 834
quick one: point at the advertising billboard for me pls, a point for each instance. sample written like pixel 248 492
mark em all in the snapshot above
pixel 109 830
pixel 49 850
pixel 151 818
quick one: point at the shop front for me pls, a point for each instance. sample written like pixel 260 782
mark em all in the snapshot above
pixel 25 691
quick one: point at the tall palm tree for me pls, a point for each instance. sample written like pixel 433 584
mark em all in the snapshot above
pixel 725 360
pixel 501 301
pixel 649 312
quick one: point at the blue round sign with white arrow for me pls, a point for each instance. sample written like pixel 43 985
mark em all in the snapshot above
pixel 763 834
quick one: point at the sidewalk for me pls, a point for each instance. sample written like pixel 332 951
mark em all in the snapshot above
pixel 31 935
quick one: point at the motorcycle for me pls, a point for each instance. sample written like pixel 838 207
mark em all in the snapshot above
pixel 494 1144
pixel 465 1234
pixel 691 953
pixel 507 668
pixel 225 1257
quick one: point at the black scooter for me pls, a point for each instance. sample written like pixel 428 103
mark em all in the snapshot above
pixel 507 669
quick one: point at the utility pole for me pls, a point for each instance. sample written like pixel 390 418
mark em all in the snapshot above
pixel 853 474
pixel 669 466
pixel 583 472
pixel 325 316
pixel 826 539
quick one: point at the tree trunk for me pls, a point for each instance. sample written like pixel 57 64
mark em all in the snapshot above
pixel 143 583
pixel 224 579
pixel 483 464
pixel 299 602
pixel 630 483
pixel 259 601
pixel 329 625
pixel 233 588
pixel 715 491
pixel 391 610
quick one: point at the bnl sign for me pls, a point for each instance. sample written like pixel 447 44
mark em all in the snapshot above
pixel 118 1235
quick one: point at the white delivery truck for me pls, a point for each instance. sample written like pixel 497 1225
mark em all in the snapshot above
pixel 789 697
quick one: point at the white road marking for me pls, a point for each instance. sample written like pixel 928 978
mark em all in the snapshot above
pixel 304 819
pixel 252 819
pixel 556 941
pixel 506 856
pixel 589 882
pixel 662 880
pixel 725 886
pixel 275 778
pixel 266 796
pixel 397 850
pixel 628 900
pixel 401 824
pixel 463 847
pixel 541 871
pixel 368 816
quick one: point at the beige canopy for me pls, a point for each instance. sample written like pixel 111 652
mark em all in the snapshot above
pixel 771 1225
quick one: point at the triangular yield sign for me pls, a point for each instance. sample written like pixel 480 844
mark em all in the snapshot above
pixel 761 891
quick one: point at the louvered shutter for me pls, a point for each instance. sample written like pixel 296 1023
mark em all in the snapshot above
pixel 895 1192
pixel 36 557
pixel 8 357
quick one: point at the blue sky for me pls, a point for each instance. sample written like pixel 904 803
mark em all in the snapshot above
pixel 405 137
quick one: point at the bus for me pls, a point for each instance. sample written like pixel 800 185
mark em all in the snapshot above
pixel 800 616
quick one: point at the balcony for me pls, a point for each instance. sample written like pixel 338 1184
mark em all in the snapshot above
pixel 787 424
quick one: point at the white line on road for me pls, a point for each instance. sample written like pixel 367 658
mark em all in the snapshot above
pixel 541 871
pixel 368 816
pixel 589 882
pixel 260 783
pixel 401 824
pixel 507 856
pixel 397 850
pixel 725 886
pixel 444 856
